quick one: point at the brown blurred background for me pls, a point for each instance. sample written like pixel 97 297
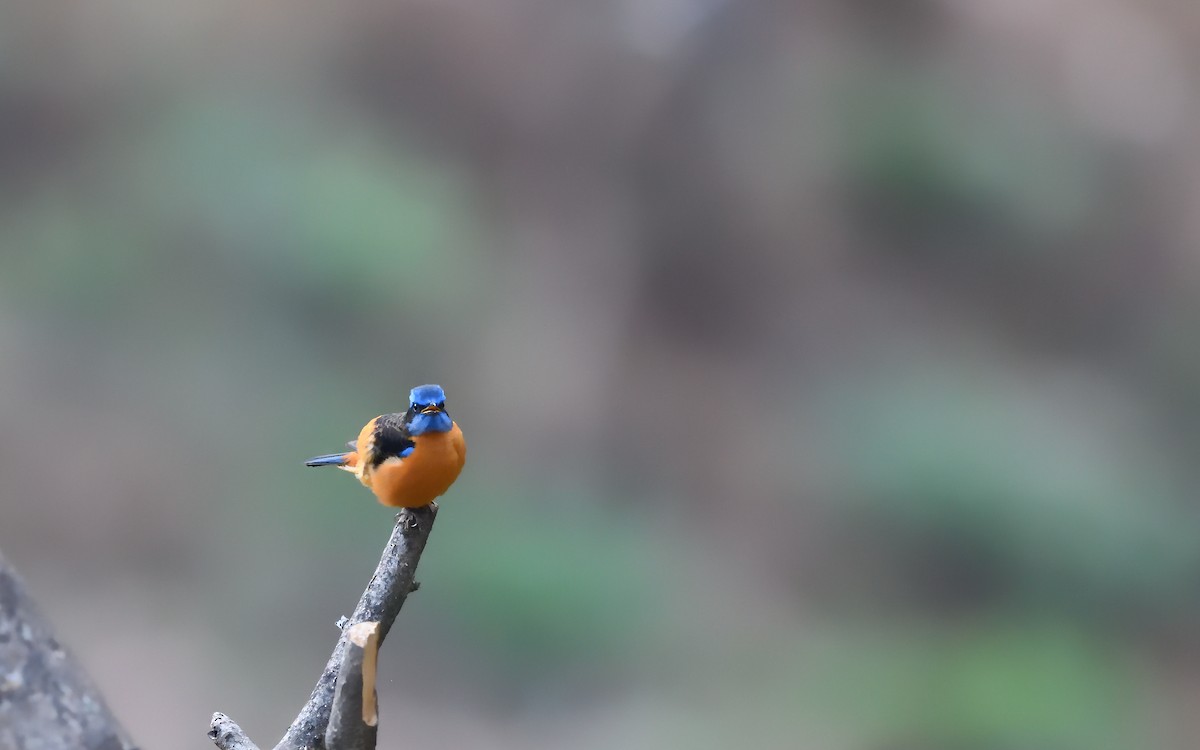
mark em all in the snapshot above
pixel 830 370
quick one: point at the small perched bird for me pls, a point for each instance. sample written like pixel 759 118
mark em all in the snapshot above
pixel 407 459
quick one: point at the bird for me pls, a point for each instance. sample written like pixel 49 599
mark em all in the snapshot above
pixel 408 459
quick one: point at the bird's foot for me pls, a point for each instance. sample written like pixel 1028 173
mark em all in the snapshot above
pixel 407 519
pixel 410 518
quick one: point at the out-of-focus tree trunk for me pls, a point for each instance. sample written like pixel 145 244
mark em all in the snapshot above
pixel 47 701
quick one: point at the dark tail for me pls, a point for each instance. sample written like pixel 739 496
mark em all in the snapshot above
pixel 333 459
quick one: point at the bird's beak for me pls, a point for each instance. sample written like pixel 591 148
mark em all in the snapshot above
pixel 431 409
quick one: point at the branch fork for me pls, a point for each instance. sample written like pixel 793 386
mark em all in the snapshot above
pixel 342 713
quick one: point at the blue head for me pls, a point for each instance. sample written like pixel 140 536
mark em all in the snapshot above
pixel 427 410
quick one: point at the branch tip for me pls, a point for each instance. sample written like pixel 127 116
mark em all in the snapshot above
pixel 227 735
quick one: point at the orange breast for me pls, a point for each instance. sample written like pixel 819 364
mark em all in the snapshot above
pixel 436 461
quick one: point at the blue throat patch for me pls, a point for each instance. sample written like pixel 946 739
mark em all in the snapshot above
pixel 422 423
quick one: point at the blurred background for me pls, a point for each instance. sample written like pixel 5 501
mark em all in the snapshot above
pixel 830 369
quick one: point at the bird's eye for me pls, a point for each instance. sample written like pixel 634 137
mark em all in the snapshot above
pixel 441 404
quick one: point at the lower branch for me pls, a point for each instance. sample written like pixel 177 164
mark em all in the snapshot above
pixel 354 718
pixel 228 735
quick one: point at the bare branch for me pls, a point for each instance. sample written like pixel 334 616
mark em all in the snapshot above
pixel 46 700
pixel 228 735
pixel 380 603
pixel 354 718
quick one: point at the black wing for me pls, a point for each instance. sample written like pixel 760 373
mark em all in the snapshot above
pixel 391 438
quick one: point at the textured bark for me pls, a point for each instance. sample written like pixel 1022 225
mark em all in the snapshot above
pixel 354 717
pixel 380 603
pixel 46 700
pixel 228 735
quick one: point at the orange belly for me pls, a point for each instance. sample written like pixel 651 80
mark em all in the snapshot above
pixel 436 461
